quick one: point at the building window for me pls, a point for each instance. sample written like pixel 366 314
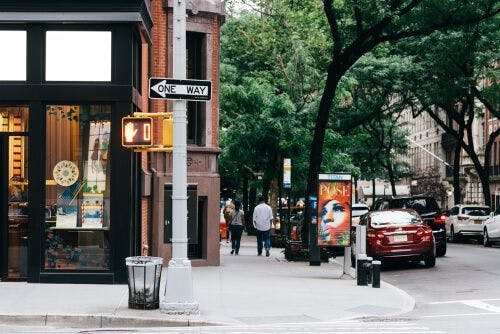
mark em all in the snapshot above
pixel 78 56
pixel 13 55
pixel 195 70
pixel 77 216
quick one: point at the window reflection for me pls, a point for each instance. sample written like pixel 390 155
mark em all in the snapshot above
pixel 77 187
pixel 13 55
pixel 78 56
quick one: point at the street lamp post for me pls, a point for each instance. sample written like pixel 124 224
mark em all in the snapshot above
pixel 178 297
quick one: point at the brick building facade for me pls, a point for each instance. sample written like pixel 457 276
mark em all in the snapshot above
pixel 204 18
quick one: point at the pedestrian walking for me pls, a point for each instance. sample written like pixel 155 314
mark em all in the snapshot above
pixel 262 220
pixel 236 227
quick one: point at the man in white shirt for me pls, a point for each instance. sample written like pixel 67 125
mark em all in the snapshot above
pixel 262 220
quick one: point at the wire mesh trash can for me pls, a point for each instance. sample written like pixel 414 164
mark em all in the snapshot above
pixel 144 274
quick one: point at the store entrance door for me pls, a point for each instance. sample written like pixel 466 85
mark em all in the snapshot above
pixel 14 215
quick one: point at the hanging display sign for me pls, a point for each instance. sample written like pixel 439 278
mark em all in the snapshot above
pixel 334 209
pixel 137 131
pixel 287 173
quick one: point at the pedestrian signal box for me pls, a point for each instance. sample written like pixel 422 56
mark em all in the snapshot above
pixel 168 132
pixel 137 131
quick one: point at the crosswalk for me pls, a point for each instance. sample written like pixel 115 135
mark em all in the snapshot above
pixel 338 327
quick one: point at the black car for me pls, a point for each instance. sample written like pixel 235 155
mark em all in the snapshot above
pixel 427 208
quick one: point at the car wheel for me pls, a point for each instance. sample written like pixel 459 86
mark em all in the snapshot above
pixel 486 239
pixel 453 236
pixel 441 249
pixel 430 261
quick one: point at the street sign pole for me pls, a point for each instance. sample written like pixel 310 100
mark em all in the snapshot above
pixel 178 297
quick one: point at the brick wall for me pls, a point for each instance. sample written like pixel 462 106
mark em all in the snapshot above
pixel 215 80
pixel 159 58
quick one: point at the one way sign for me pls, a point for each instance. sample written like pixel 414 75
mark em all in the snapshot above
pixel 174 89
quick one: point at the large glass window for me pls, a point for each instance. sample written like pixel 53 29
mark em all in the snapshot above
pixel 77 188
pixel 78 56
pixel 12 55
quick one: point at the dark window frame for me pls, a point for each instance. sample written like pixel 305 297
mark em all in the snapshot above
pixel 196 69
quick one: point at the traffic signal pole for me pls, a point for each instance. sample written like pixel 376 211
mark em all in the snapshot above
pixel 178 297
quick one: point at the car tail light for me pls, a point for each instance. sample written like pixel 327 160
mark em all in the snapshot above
pixel 463 217
pixel 440 219
pixel 378 235
pixel 424 232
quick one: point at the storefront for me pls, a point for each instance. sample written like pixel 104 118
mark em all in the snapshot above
pixel 70 202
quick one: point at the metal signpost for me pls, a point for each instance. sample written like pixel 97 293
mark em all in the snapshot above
pixel 137 133
pixel 178 297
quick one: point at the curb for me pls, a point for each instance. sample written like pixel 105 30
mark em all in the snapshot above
pixel 98 321
pixel 408 303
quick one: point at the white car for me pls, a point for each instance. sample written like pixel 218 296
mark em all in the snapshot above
pixel 358 209
pixel 466 220
pixel 492 229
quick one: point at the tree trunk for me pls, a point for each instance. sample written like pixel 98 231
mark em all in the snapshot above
pixel 390 172
pixel 245 194
pixel 373 192
pixel 334 75
pixel 266 185
pixel 457 196
pixel 251 205
pixel 484 176
pixel 356 195
pixel 273 195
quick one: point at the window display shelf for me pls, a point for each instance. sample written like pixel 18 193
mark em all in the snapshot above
pixel 79 228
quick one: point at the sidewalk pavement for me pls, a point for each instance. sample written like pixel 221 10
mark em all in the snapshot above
pixel 244 289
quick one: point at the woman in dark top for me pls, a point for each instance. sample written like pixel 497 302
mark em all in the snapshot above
pixel 236 227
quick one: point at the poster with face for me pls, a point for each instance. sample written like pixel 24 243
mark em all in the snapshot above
pixel 334 209
pixel 97 159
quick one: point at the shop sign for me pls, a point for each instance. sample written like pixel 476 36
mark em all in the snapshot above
pixel 334 209
pixel 137 131
pixel 287 173
pixel 174 89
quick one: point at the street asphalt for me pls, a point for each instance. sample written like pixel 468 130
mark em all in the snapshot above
pixel 460 295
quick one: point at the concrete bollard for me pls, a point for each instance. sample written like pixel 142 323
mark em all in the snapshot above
pixel 376 274
pixel 368 270
pixel 361 278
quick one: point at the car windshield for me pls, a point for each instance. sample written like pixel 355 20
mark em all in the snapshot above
pixel 393 218
pixel 421 205
pixel 475 211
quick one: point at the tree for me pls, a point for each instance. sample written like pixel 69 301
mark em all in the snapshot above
pixel 358 27
pixel 271 75
pixel 449 84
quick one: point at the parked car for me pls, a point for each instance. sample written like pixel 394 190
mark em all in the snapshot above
pixel 466 221
pixel 427 208
pixel 357 210
pixel 492 229
pixel 398 234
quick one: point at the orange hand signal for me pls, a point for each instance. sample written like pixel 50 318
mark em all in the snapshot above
pixel 130 132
